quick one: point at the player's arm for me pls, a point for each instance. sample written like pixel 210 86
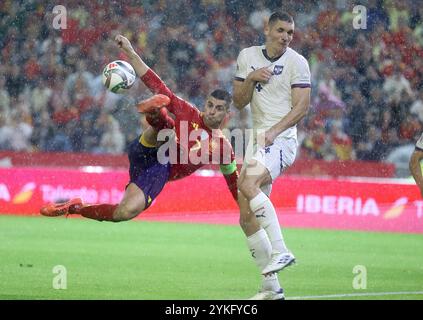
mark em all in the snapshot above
pixel 228 167
pixel 230 173
pixel 139 65
pixel 300 105
pixel 147 75
pixel 243 92
pixel 300 99
pixel 245 81
pixel 178 106
pixel 244 88
pixel 415 168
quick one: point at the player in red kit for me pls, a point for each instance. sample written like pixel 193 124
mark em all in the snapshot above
pixel 169 149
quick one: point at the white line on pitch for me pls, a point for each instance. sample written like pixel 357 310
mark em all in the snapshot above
pixel 350 295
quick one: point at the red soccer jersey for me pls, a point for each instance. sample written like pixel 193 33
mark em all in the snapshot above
pixel 197 145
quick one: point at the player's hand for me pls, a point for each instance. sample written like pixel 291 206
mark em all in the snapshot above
pixel 260 75
pixel 266 138
pixel 124 43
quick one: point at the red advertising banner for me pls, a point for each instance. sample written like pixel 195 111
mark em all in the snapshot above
pixel 377 205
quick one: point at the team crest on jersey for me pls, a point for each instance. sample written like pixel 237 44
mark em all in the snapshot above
pixel 277 70
pixel 195 125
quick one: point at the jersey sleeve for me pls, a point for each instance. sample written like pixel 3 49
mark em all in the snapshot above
pixel 241 66
pixel 156 85
pixel 419 143
pixel 300 76
pixel 228 167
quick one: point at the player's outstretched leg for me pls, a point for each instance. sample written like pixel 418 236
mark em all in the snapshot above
pixel 98 212
pixel 60 209
pixel 131 205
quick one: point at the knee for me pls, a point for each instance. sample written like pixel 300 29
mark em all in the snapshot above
pixel 125 213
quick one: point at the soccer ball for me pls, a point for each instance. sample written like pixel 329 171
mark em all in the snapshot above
pixel 118 76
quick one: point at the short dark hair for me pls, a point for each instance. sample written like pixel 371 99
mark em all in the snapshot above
pixel 222 95
pixel 281 15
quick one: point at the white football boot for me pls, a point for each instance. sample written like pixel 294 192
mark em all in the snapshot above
pixel 269 295
pixel 278 262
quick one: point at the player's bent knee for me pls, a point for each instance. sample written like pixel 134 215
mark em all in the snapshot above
pixel 125 213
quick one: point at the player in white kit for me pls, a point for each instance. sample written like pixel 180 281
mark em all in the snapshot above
pixel 415 167
pixel 275 80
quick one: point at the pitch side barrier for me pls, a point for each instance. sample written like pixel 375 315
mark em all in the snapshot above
pixel 371 204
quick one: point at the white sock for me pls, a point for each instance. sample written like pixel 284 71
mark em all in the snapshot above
pixel 265 213
pixel 261 250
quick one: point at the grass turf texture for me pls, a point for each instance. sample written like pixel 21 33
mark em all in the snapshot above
pixel 155 260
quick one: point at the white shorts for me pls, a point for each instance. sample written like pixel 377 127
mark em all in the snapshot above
pixel 276 158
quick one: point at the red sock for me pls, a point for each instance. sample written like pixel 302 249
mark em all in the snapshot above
pixel 160 120
pixel 99 212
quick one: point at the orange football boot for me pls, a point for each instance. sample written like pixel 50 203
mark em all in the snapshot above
pixel 153 104
pixel 59 209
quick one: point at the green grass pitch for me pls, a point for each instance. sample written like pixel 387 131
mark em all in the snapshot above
pixel 177 261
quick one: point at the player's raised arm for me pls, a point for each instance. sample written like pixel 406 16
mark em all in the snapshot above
pixel 147 75
pixel 139 65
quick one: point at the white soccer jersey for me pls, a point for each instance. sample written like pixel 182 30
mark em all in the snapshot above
pixel 272 101
pixel 419 143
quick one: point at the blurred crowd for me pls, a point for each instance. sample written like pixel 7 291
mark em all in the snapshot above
pixel 367 87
